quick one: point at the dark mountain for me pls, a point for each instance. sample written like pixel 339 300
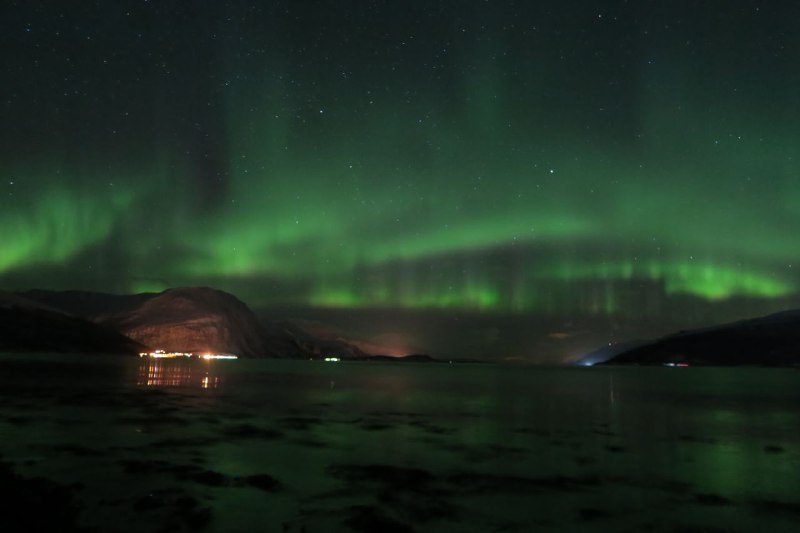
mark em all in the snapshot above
pixel 88 304
pixel 413 358
pixel 195 319
pixel 773 340
pixel 321 340
pixel 27 326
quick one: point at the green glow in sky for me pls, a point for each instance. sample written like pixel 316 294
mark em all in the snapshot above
pixel 477 159
pixel 55 226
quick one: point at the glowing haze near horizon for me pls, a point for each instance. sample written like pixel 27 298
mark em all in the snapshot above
pixel 547 159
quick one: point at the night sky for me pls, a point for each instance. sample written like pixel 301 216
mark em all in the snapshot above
pixel 515 179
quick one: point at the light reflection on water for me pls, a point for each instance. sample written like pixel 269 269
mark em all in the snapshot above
pixel 438 447
pixel 178 372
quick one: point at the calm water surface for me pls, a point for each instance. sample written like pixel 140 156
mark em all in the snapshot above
pixel 146 445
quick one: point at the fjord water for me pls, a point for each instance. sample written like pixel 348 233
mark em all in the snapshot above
pixel 144 445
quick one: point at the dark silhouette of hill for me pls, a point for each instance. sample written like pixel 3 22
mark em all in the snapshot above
pixel 772 340
pixel 318 340
pixel 27 326
pixel 412 358
pixel 88 304
pixel 195 319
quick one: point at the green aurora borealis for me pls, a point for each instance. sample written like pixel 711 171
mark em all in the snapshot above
pixel 612 160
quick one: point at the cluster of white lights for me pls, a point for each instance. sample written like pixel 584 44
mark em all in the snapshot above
pixel 161 354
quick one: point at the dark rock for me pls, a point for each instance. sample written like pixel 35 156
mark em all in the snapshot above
pixel 264 482
pixel 475 482
pixel 182 472
pixel 371 519
pixel 147 503
pixel 36 504
pixel 197 518
pixel 711 499
pixel 209 477
pixel 588 514
pixel 301 423
pixel 249 431
pixel 375 426
pixel 78 450
pixel 397 478
pixel 777 506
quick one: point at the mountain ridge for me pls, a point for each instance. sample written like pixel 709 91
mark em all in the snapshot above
pixel 29 326
pixel 193 319
pixel 771 340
